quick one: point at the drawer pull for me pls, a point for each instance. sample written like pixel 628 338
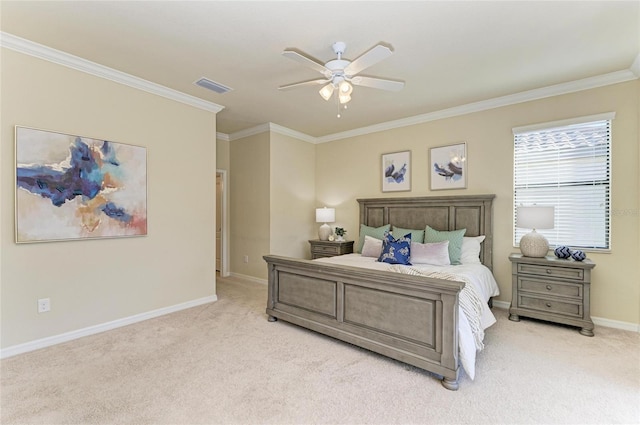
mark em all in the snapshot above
pixel 548 305
pixel 548 271
pixel 549 287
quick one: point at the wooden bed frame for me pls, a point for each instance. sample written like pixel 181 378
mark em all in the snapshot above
pixel 408 318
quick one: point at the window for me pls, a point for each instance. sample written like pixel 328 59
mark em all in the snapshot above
pixel 566 164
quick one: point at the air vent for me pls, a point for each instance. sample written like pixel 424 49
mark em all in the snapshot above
pixel 212 85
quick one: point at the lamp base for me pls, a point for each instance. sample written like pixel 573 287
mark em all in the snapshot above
pixel 533 244
pixel 324 231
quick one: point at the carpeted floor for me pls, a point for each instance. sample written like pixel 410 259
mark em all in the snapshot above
pixel 224 363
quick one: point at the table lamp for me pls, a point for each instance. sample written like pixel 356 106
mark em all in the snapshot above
pixel 533 244
pixel 325 215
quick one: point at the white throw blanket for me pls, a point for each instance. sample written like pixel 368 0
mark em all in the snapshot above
pixel 470 302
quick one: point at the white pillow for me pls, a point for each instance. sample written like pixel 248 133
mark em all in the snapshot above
pixel 372 247
pixel 471 250
pixel 436 253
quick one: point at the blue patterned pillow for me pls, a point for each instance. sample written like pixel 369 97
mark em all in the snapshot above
pixel 396 251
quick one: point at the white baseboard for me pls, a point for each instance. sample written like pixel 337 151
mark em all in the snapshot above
pixel 600 321
pixel 502 304
pixel 609 323
pixel 250 278
pixel 92 330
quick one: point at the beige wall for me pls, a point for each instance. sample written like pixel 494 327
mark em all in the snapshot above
pixel 92 282
pixel 223 154
pixel 292 196
pixel 272 196
pixel 249 198
pixel 615 291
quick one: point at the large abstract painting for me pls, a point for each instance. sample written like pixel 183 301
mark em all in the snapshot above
pixel 71 187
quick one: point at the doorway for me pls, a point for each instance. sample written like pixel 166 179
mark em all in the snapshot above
pixel 221 223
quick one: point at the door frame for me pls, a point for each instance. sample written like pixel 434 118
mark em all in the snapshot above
pixel 224 255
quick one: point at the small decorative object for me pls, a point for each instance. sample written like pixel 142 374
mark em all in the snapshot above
pixel 396 171
pixel 578 255
pixel 340 232
pixel 533 244
pixel 562 252
pixel 448 167
pixel 331 238
pixel 325 215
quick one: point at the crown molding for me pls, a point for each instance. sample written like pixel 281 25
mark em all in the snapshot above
pixel 222 136
pixel 249 131
pixel 526 96
pixel 40 51
pixel 271 127
pixel 292 133
pixel 31 48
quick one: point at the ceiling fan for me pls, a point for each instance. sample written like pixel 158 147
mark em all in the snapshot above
pixel 342 74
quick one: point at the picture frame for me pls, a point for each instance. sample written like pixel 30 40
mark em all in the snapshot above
pixel 396 171
pixel 448 165
pixel 71 187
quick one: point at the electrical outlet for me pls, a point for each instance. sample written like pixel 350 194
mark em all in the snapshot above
pixel 44 305
pixel 246 259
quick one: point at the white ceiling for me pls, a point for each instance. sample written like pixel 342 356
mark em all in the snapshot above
pixel 449 53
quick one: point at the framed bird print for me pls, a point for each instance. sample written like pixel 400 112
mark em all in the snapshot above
pixel 448 166
pixel 396 171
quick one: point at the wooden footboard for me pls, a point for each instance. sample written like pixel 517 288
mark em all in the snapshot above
pixel 408 318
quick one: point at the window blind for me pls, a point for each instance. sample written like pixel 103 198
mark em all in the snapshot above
pixel 568 167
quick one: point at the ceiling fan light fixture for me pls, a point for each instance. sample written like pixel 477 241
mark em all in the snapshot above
pixel 340 75
pixel 326 91
pixel 344 98
pixel 345 88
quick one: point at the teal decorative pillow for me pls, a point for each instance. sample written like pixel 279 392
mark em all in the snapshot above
pixel 454 237
pixel 396 251
pixel 374 232
pixel 417 235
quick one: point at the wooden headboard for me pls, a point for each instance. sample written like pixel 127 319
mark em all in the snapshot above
pixel 471 212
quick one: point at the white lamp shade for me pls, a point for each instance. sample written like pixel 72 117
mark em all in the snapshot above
pixel 325 215
pixel 533 244
pixel 535 217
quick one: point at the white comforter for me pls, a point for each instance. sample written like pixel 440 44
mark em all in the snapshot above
pixel 477 274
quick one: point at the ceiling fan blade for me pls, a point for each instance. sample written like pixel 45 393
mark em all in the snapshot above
pixel 377 83
pixel 307 61
pixel 304 83
pixel 367 59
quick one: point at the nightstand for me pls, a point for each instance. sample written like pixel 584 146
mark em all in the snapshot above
pixel 552 289
pixel 321 249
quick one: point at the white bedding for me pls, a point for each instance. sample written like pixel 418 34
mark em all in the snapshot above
pixel 477 274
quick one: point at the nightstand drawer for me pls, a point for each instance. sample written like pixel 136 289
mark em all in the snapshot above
pixel 550 306
pixel 324 249
pixel 557 272
pixel 321 249
pixel 556 288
